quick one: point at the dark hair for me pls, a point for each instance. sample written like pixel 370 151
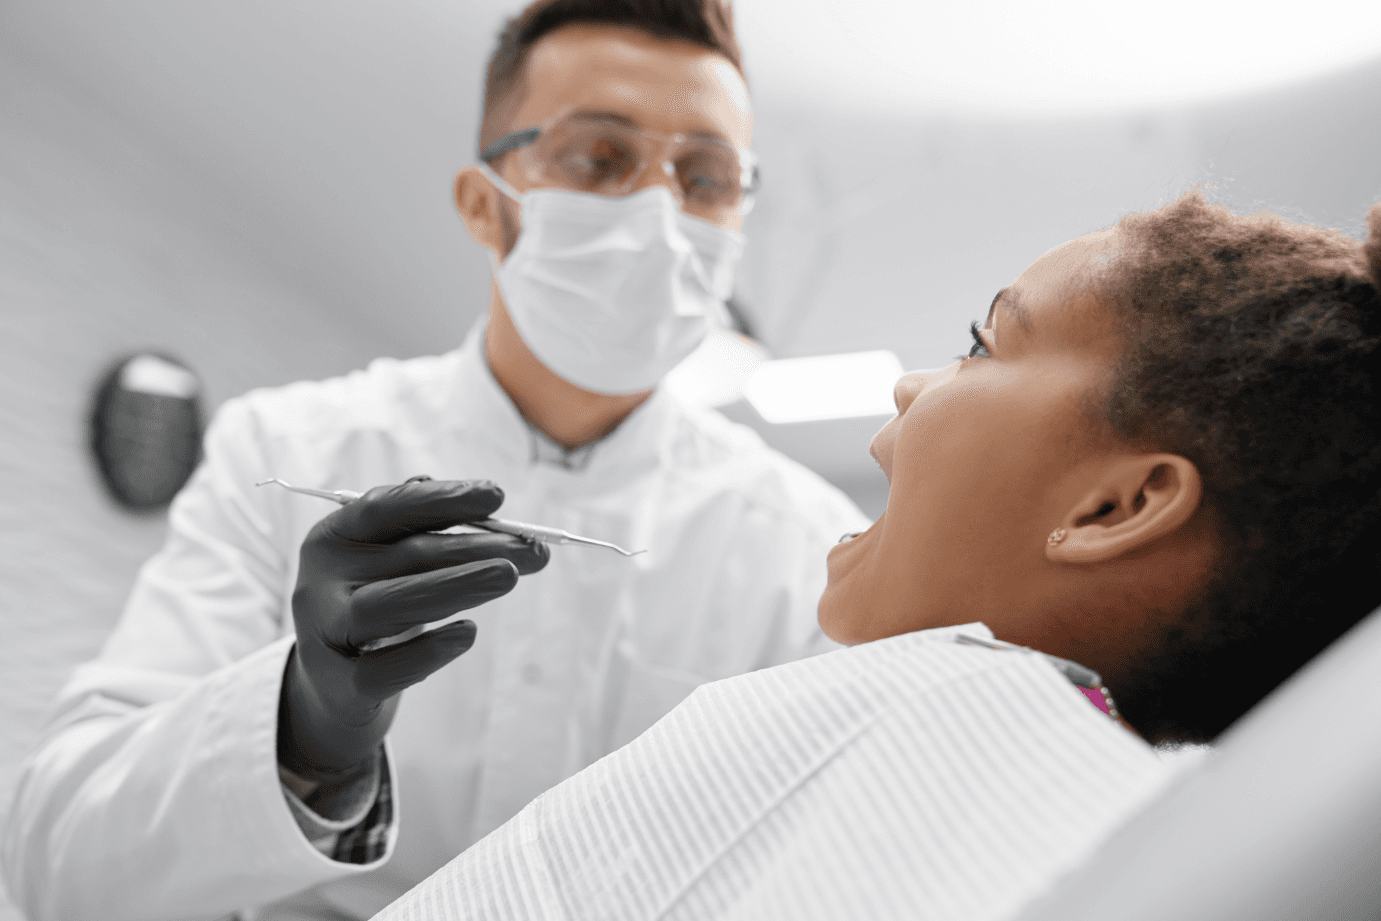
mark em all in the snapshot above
pixel 708 23
pixel 1252 350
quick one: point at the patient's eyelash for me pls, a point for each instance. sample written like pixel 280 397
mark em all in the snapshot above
pixel 979 349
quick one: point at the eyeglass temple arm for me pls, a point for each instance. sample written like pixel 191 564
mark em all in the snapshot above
pixel 511 141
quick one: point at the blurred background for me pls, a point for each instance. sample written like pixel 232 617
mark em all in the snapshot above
pixel 262 190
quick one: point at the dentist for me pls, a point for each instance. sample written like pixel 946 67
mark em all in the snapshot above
pixel 239 748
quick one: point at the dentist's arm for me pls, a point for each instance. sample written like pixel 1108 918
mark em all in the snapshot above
pixel 156 792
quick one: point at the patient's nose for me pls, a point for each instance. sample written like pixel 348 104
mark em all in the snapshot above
pixel 908 388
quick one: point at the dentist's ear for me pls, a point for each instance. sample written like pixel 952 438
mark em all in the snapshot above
pixel 485 213
pixel 1134 502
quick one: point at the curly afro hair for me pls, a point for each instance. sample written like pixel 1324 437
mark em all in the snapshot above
pixel 1252 350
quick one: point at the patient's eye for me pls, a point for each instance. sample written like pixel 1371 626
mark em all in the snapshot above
pixel 979 349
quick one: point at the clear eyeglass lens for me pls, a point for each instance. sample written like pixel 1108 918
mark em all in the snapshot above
pixel 607 158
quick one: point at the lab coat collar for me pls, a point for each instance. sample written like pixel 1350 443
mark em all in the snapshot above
pixel 633 447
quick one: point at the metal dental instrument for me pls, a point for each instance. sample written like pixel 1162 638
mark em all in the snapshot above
pixel 343 496
pixel 537 532
pixel 532 532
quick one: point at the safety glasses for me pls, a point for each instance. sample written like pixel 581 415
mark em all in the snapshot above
pixel 607 156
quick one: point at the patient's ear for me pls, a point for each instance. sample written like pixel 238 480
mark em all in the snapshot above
pixel 1135 501
pixel 478 203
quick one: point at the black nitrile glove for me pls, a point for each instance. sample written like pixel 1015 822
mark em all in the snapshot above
pixel 370 570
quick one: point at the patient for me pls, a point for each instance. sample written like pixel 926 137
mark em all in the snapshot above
pixel 1161 458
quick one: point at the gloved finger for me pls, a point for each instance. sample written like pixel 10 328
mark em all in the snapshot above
pixel 386 513
pixel 391 670
pixel 419 553
pixel 389 606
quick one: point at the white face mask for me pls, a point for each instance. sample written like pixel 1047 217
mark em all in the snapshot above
pixel 611 293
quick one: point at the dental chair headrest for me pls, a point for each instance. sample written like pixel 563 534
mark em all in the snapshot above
pixel 1281 822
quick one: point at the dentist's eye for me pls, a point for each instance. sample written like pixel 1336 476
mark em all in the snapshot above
pixel 979 349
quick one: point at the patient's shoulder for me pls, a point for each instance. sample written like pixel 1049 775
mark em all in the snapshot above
pixel 871 673
pixel 825 782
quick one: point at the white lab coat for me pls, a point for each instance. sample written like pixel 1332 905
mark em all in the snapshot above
pixel 154 793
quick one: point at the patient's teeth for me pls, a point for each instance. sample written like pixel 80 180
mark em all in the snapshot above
pixel 849 536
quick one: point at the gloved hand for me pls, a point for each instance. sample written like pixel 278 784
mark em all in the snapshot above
pixel 370 570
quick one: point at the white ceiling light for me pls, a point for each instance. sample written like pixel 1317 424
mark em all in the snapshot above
pixel 824 387
pixel 1016 56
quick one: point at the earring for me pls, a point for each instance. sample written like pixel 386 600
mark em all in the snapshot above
pixel 1056 536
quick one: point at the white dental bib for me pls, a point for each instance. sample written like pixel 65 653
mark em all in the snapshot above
pixel 910 778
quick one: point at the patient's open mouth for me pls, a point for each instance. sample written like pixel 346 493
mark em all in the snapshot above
pixel 849 536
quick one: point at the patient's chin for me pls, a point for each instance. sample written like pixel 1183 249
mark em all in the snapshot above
pixel 844 597
pixel 840 618
pixel 826 613
pixel 844 605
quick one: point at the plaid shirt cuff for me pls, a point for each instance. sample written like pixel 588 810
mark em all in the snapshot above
pixel 350 822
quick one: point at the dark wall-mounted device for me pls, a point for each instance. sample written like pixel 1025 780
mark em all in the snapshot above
pixel 146 429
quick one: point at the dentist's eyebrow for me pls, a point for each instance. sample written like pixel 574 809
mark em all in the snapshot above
pixel 1013 307
pixel 619 119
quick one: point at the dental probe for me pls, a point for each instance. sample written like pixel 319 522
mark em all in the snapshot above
pixel 532 532
pixel 343 496
pixel 546 535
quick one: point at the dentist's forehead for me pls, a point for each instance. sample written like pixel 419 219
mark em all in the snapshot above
pixel 666 85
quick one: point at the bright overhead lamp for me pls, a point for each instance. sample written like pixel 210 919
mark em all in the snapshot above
pixel 843 386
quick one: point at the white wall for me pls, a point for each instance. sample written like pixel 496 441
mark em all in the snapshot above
pixel 104 249
pixel 877 232
pixel 336 125
pixel 894 232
